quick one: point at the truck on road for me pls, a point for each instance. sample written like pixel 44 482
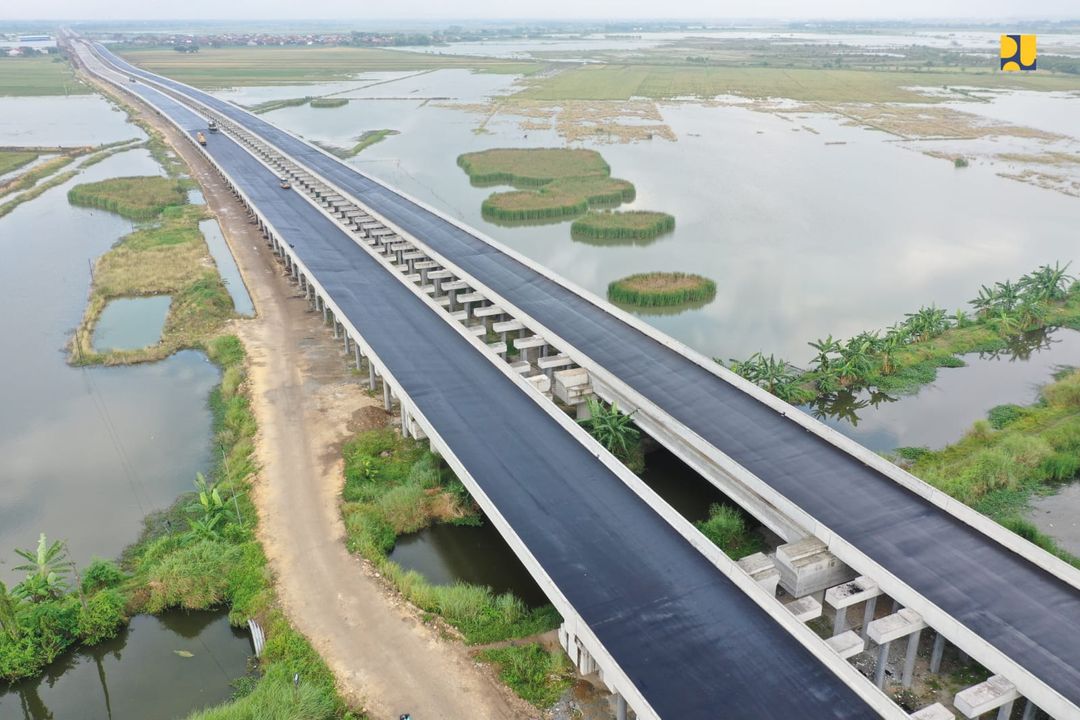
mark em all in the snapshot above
pixel 200 138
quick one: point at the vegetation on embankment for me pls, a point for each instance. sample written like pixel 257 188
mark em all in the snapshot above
pixel 907 355
pixel 166 257
pixel 535 673
pixel 15 159
pixel 38 75
pixel 1016 452
pixel 136 198
pixel 365 140
pixel 202 553
pixel 614 226
pixel 329 102
pixel 32 176
pixel 661 289
pixel 36 191
pixel 395 486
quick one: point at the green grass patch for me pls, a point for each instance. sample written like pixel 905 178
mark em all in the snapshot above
pixel 614 226
pixel 38 75
pixel 661 288
pixel 166 257
pixel 536 674
pixel 1019 451
pixel 726 527
pixel 531 167
pixel 136 198
pixel 214 68
pixel 15 159
pixel 329 102
pixel 394 486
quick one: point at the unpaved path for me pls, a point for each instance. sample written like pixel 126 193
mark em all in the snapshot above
pixel 385 659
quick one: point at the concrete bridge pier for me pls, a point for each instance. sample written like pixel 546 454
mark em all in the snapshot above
pixel 937 653
pixel 371 376
pixel 620 707
pixel 387 399
pixel 905 623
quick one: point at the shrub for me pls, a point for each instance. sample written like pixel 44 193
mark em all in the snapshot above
pixel 1065 392
pixel 136 198
pixel 101 574
pixel 726 528
pixel 1003 415
pixel 103 616
pixel 405 508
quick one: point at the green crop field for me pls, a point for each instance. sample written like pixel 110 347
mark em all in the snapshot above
pixel 38 75
pixel 228 67
pixel 621 82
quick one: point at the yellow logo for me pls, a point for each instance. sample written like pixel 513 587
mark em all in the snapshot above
pixel 1017 52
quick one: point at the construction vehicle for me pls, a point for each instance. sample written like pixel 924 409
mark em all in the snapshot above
pixel 212 126
pixel 200 138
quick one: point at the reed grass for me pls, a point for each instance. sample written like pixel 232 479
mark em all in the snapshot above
pixel 15 159
pixel 661 288
pixel 531 167
pixel 329 102
pixel 36 191
pixel 558 200
pixel 616 226
pixel 136 198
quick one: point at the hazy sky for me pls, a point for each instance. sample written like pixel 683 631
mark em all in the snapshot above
pixel 570 9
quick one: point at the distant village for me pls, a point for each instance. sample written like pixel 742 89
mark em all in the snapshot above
pixel 186 42
pixel 21 45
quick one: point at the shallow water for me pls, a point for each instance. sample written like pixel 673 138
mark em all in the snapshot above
pixel 131 323
pixel 940 413
pixel 226 265
pixel 68 121
pixel 86 453
pixel 802 238
pixel 138 674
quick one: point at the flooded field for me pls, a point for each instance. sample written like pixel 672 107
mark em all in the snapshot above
pixel 87 453
pixel 804 238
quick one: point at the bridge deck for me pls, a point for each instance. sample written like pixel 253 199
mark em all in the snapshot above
pixel 1027 613
pixel 693 643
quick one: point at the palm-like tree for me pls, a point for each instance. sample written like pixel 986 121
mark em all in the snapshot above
pixel 826 349
pixel 1006 296
pixel 612 428
pixel 48 566
pixel 984 303
pixel 927 323
pixel 1047 283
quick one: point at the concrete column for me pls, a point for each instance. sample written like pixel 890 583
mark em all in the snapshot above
pixel 909 659
pixel 323 312
pixel 935 655
pixel 868 615
pixel 371 375
pixel 404 423
pixel 386 395
pixel 882 659
pixel 356 354
pixel 620 707
pixel 1005 711
pixel 1029 710
pixel 839 621
pixel 335 328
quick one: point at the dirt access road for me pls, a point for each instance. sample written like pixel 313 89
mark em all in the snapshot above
pixel 385 659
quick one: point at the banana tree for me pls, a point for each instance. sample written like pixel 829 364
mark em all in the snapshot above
pixel 9 623
pixel 48 566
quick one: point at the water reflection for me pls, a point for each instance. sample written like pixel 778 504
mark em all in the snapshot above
pixel 159 667
pixel 226 265
pixel 940 413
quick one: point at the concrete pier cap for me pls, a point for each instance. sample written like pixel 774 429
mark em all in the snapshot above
pixel 990 695
pixel 762 570
pixel 893 627
pixel 807 567
pixel 937 711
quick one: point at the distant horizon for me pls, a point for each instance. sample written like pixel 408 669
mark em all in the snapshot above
pixel 610 11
